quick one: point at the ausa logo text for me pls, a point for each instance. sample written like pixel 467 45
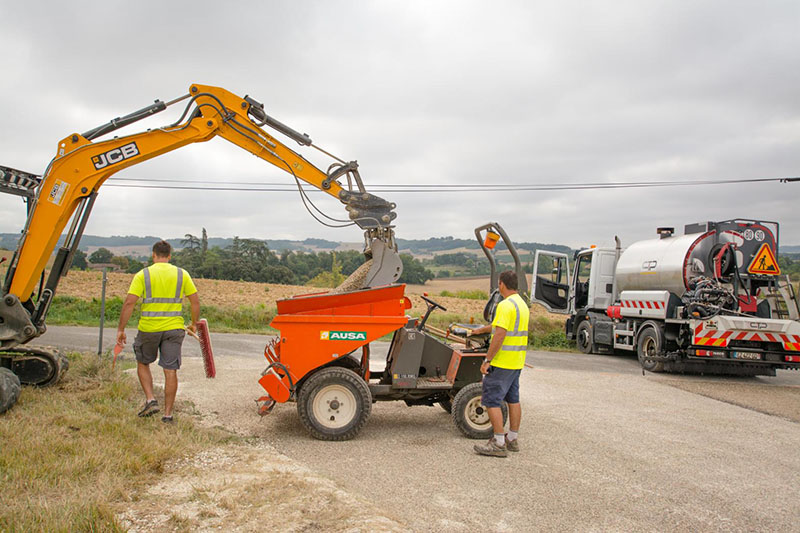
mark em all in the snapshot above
pixel 343 335
pixel 115 156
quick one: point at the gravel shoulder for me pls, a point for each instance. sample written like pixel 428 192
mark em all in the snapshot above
pixel 604 448
pixel 614 451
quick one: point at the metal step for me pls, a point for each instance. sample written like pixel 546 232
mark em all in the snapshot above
pixel 434 383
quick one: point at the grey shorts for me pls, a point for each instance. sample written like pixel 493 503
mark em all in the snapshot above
pixel 147 345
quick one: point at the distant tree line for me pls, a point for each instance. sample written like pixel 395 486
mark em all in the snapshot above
pixel 253 260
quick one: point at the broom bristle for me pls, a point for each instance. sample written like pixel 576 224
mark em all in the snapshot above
pixel 205 348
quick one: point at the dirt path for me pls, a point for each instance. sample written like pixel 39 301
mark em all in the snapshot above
pixel 249 486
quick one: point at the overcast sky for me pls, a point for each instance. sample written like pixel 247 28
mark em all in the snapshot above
pixel 423 92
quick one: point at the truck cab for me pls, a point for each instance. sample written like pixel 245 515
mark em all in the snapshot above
pixel 589 285
pixel 583 292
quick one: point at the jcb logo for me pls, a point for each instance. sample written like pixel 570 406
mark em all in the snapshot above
pixel 115 156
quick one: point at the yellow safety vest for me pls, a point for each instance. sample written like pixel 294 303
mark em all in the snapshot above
pixel 162 291
pixel 512 315
pixel 152 306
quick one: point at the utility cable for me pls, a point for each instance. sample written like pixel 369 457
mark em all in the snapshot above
pixel 427 188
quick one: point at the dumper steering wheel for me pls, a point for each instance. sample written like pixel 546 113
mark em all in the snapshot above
pixel 431 306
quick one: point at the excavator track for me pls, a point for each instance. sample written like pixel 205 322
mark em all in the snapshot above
pixel 39 366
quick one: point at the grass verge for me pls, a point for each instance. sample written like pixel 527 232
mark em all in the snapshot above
pixel 476 294
pixel 543 333
pixel 546 333
pixel 71 311
pixel 72 453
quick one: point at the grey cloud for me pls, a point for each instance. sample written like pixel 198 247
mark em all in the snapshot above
pixel 430 92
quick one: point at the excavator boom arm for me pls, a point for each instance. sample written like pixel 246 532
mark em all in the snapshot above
pixel 81 166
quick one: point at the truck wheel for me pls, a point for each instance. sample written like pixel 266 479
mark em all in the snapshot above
pixel 648 345
pixel 584 337
pixel 447 405
pixel 334 404
pixel 470 416
pixel 9 389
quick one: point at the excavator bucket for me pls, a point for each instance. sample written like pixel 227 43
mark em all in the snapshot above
pixel 383 268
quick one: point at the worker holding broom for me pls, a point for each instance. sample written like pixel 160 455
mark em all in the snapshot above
pixel 162 287
pixel 502 367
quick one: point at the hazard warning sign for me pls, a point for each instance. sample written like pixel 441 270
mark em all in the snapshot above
pixel 764 262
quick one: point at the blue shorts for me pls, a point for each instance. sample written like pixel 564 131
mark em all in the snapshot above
pixel 499 385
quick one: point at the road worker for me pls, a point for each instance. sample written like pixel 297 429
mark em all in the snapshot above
pixel 502 366
pixel 161 329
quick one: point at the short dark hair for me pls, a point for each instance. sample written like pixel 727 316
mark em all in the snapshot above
pixel 509 279
pixel 162 249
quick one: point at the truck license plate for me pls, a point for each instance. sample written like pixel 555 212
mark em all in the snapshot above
pixel 747 355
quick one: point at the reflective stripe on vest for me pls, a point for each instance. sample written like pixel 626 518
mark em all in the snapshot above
pixel 148 296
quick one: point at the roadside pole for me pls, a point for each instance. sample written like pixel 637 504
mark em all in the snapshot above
pixel 102 311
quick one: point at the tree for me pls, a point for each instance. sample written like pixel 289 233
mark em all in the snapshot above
pixel 190 241
pixel 413 271
pixel 101 255
pixel 134 265
pixel 331 279
pixel 122 262
pixel 79 260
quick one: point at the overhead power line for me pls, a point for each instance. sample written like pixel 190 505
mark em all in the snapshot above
pixel 254 186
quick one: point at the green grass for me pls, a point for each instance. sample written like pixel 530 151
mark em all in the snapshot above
pixel 72 454
pixel 548 334
pixel 71 311
pixel 475 294
pixel 544 332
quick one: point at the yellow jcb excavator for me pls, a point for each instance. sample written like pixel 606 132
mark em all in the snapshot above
pixel 69 188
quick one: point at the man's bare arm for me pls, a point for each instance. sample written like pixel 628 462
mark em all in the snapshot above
pixel 125 315
pixel 194 300
pixel 494 347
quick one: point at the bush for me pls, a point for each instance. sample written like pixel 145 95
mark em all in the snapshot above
pixel 548 333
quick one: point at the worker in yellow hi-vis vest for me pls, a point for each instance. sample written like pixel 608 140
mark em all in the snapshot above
pixel 162 287
pixel 502 367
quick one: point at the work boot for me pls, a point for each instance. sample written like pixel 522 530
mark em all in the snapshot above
pixel 512 445
pixel 491 449
pixel 150 408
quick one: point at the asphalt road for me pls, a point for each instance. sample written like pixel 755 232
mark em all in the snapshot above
pixel 245 345
pixel 603 447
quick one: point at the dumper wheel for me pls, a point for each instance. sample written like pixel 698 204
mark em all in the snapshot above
pixel 9 389
pixel 334 404
pixel 470 416
pixel 648 345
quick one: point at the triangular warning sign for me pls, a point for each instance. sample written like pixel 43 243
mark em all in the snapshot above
pixel 764 262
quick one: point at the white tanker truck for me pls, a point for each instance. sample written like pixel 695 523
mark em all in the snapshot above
pixel 711 300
